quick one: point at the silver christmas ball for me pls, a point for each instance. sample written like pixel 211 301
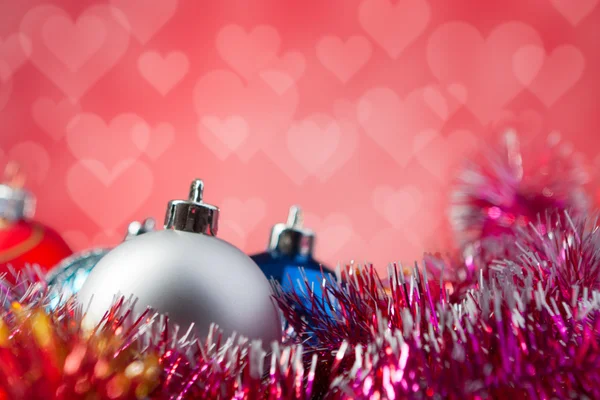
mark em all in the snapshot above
pixel 188 274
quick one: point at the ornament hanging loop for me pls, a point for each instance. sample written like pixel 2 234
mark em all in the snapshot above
pixel 14 176
pixel 196 191
pixel 295 217
pixel 137 228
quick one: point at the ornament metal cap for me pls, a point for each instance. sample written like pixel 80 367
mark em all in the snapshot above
pixel 193 215
pixel 16 203
pixel 292 238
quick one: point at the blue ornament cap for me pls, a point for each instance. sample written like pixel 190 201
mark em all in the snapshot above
pixel 289 257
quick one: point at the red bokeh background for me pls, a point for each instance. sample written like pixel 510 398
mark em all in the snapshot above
pixel 359 111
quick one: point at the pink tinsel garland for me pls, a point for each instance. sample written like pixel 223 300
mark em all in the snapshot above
pixel 515 314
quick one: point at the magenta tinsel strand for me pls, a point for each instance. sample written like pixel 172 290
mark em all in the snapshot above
pixel 492 200
pixel 528 329
pixel 495 377
pixel 562 253
pixel 504 340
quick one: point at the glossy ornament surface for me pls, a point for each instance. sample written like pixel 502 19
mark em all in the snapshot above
pixel 187 273
pixel 23 241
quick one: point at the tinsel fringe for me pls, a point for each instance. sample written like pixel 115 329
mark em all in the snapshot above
pixel 516 314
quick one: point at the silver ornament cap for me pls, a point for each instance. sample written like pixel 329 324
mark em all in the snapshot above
pixel 16 203
pixel 292 238
pixel 193 215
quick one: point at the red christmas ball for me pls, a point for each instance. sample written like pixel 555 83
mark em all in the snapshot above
pixel 24 242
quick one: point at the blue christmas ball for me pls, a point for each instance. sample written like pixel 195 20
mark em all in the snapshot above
pixel 289 258
pixel 291 272
pixel 67 278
